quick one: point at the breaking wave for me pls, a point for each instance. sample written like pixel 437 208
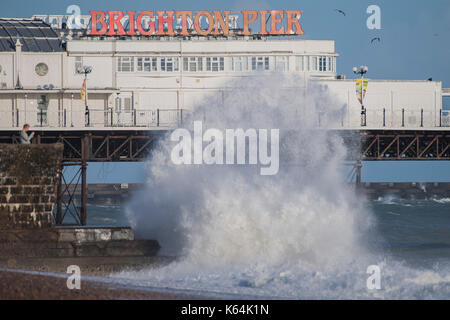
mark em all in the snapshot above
pixel 303 233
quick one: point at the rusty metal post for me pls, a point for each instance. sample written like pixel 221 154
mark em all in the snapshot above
pixel 84 148
pixel 59 195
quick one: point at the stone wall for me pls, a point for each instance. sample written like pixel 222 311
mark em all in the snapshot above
pixel 28 181
pixel 73 242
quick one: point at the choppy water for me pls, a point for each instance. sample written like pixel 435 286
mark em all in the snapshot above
pixel 416 231
pixel 411 237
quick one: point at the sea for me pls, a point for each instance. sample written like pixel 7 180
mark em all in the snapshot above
pixel 412 236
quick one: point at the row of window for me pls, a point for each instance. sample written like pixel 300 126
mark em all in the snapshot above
pixel 315 63
pixel 217 64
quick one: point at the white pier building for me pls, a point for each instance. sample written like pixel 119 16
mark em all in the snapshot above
pixel 143 83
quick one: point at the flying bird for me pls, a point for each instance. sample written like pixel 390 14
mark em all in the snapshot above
pixel 375 39
pixel 340 11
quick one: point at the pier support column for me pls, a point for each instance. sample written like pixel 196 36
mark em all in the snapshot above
pixel 84 150
pixel 83 193
pixel 59 195
pixel 358 172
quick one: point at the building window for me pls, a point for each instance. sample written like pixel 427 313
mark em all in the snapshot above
pixel 169 64
pixel 314 64
pixel 239 64
pixel 146 64
pixel 78 64
pixel 306 64
pixel 319 63
pixel 323 64
pixel 282 63
pixel 125 64
pixel 299 63
pixel 215 64
pixel 260 63
pixel 41 69
pixel 302 63
pixel 331 64
pixel 193 64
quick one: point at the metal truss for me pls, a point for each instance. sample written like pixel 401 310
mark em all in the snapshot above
pixel 66 204
pixel 97 146
pixel 394 145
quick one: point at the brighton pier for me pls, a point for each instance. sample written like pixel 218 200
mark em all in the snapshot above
pixel 139 87
pixel 217 23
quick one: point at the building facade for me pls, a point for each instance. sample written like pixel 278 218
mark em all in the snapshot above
pixel 146 82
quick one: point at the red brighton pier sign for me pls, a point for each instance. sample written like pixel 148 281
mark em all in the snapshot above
pixel 161 23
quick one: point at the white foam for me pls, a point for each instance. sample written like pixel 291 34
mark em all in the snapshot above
pixel 297 234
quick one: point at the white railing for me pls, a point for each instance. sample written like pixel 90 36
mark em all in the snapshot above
pixel 95 118
pixel 166 118
pixel 407 118
pixel 412 118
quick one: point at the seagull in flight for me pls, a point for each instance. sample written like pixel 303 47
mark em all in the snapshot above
pixel 375 39
pixel 340 11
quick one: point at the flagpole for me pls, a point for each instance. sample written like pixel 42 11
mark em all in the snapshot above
pixel 86 112
pixel 86 70
pixel 363 110
pixel 362 70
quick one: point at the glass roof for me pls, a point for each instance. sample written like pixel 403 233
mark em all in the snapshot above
pixel 35 36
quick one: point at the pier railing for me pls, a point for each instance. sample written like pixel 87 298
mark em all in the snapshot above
pixel 169 118
pixel 382 118
pixel 93 118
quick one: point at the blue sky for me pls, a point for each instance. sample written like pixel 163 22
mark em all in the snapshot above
pixel 415 45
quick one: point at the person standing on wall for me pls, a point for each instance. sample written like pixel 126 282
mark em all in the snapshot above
pixel 24 137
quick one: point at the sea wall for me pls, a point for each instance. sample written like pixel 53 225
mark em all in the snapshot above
pixel 117 194
pixel 29 175
pixel 407 190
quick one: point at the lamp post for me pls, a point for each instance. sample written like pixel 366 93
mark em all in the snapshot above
pixel 86 70
pixel 26 102
pixel 362 71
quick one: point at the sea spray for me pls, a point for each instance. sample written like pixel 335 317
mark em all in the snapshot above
pixel 219 215
pixel 302 233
